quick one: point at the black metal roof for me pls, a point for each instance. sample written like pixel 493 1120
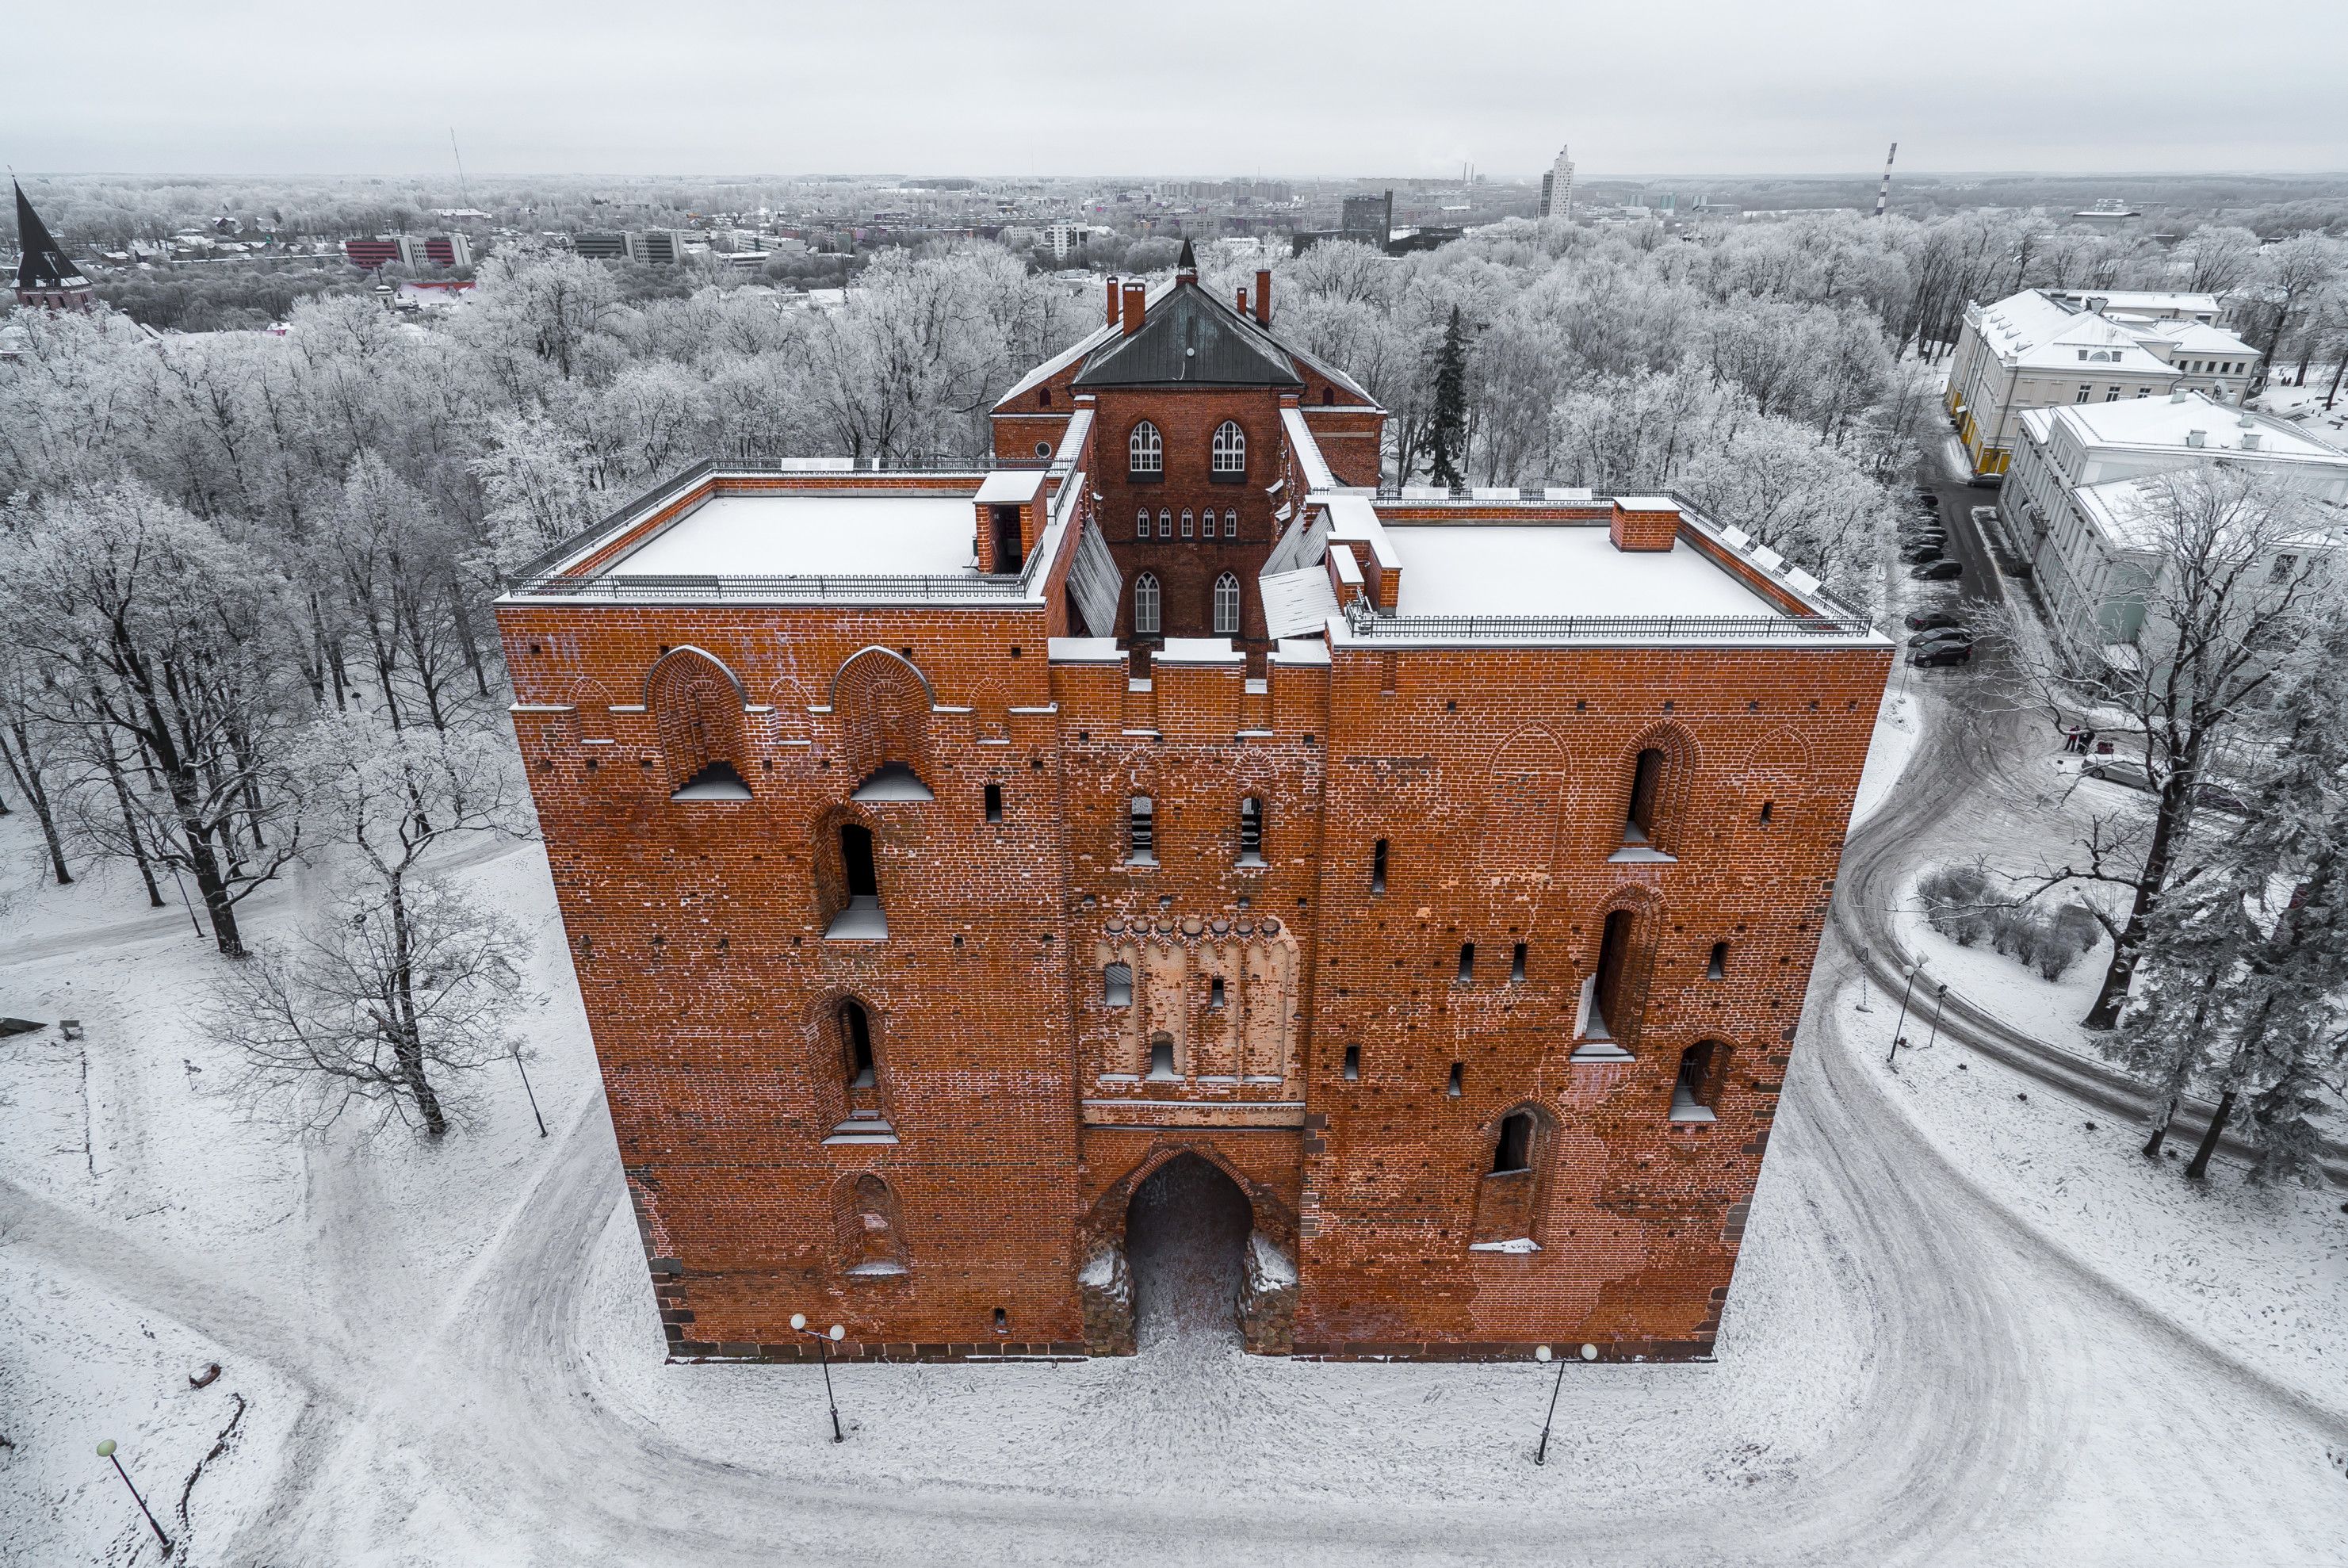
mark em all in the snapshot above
pixel 44 265
pixel 1189 338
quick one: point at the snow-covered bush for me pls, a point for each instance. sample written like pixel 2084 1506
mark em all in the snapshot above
pixel 1963 904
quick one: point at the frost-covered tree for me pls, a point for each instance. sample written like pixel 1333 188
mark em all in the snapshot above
pixel 2230 578
pixel 2242 985
pixel 171 641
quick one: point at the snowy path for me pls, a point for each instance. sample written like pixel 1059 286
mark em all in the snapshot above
pixel 465 1368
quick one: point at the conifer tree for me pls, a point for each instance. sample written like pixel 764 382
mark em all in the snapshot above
pixel 1446 438
pixel 2244 987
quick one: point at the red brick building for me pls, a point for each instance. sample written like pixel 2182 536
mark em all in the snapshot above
pixel 941 858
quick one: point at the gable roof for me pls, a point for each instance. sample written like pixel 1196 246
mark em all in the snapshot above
pixel 1189 338
pixel 44 265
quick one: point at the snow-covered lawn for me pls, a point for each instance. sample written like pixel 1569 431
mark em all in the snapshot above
pixel 2259 1272
pixel 1899 726
pixel 2304 405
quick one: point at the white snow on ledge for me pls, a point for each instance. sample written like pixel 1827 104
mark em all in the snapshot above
pixel 1517 1245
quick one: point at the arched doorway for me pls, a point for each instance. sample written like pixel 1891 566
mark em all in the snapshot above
pixel 1186 1240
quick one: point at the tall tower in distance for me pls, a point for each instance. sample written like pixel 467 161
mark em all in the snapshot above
pixel 1557 187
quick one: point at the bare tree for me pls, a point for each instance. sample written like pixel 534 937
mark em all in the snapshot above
pixel 28 745
pixel 404 984
pixel 2230 571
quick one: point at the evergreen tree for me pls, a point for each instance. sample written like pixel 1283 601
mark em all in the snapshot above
pixel 1446 437
pixel 2244 986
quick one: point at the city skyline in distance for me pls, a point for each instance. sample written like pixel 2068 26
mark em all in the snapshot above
pixel 1199 91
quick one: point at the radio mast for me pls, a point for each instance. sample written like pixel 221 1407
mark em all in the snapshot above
pixel 1883 194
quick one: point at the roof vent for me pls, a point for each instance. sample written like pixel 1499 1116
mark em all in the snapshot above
pixel 2197 438
pixel 2249 420
pixel 2249 441
pixel 2178 396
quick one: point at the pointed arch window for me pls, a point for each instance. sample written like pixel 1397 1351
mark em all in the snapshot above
pixel 1231 525
pixel 1185 523
pixel 1227 605
pixel 1145 605
pixel 1165 525
pixel 1141 524
pixel 1227 453
pixel 1145 451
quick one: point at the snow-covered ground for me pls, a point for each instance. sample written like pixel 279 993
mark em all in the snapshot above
pixel 2304 405
pixel 1964 1329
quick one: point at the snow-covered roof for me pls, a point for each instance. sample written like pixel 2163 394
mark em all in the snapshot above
pixel 2153 302
pixel 1011 487
pixel 2125 513
pixel 1559 569
pixel 2169 422
pixel 1297 603
pixel 2192 337
pixel 807 534
pixel 2034 330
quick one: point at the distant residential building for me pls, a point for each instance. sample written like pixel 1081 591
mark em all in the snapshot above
pixel 2084 474
pixel 1557 188
pixel 448 250
pixel 45 276
pixel 381 252
pixel 2038 350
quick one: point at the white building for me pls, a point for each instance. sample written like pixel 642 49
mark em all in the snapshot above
pixel 1557 187
pixel 2083 473
pixel 2039 349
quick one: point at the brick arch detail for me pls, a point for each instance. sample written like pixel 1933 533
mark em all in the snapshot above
pixel 1682 757
pixel 696 704
pixel 881 701
pixel 829 872
pixel 853 1196
pixel 1646 911
pixel 1104 1219
pixel 1524 803
pixel 1781 750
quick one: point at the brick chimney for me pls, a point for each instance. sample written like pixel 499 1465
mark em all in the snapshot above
pixel 1240 305
pixel 1136 300
pixel 1644 522
pixel 1263 296
pixel 1112 299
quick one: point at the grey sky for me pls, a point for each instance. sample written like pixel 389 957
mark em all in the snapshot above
pixel 1335 88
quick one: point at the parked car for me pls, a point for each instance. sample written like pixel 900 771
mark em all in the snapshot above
pixel 1937 570
pixel 1920 555
pixel 1931 536
pixel 2119 770
pixel 2219 798
pixel 1942 634
pixel 1932 620
pixel 1941 653
pixel 1925 498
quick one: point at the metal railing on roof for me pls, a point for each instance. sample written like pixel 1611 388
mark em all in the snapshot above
pixel 845 589
pixel 1366 621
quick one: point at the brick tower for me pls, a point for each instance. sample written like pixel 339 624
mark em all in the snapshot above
pixel 942 855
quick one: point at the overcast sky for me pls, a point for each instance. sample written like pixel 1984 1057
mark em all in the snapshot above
pixel 1340 87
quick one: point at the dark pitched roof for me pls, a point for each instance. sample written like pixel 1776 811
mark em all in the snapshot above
pixel 1188 262
pixel 1190 339
pixel 43 264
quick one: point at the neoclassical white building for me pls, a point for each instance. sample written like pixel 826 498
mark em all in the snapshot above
pixel 2041 349
pixel 2081 479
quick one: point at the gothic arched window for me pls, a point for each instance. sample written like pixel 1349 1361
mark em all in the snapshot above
pixel 1145 605
pixel 1227 605
pixel 1145 450
pixel 1230 448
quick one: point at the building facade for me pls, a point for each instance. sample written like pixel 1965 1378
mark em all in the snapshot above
pixel 2039 349
pixel 936 871
pixel 1557 187
pixel 2082 477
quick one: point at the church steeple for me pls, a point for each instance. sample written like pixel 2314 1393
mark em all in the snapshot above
pixel 46 275
pixel 1186 266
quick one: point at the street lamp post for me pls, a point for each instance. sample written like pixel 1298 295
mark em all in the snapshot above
pixel 105 1451
pixel 529 1091
pixel 1939 999
pixel 1542 1353
pixel 1892 1060
pixel 1863 957
pixel 823 1343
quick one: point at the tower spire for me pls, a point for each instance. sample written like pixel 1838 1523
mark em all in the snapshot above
pixel 46 275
